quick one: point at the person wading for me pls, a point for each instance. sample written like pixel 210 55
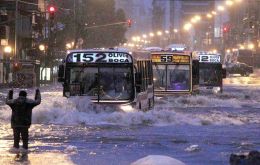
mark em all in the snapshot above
pixel 21 117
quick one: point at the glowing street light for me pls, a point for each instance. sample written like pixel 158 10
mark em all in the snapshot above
pixel 221 8
pixel 144 36
pixel 193 20
pixel 68 45
pixel 214 13
pixel 209 15
pixel 159 33
pixel 151 34
pixel 251 46
pixel 7 49
pixel 229 2
pixel 242 47
pixel 197 17
pixel 228 50
pixel 42 47
pixel 187 26
pixel 167 32
pixel 175 30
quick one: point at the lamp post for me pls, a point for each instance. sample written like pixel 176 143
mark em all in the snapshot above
pixel 8 52
pixel 43 49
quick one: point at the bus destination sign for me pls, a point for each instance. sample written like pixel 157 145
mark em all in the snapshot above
pixel 171 58
pixel 99 57
pixel 209 58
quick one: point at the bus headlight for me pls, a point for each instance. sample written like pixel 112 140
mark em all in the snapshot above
pixel 127 108
pixel 216 90
pixel 67 94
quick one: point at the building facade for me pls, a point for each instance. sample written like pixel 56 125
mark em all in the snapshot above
pixel 19 32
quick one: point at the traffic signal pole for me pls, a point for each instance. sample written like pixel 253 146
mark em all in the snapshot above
pixel 16 29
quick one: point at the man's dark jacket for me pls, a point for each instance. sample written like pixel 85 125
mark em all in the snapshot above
pixel 22 109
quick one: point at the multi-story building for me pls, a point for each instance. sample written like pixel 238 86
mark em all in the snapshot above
pixel 201 36
pixel 19 31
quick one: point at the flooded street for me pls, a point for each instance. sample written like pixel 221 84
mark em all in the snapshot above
pixel 198 130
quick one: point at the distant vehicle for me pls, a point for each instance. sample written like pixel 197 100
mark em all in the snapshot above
pixel 176 47
pixel 109 77
pixel 152 49
pixel 239 68
pixel 240 56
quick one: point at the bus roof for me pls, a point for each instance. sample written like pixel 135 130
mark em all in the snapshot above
pixel 97 50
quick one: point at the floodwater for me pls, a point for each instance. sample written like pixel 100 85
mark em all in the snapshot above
pixel 198 130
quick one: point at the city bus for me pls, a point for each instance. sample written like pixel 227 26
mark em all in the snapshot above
pixel 172 73
pixel 108 77
pixel 211 72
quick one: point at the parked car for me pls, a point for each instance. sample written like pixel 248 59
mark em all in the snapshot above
pixel 239 68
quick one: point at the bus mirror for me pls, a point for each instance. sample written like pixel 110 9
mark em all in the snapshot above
pixel 224 73
pixel 61 73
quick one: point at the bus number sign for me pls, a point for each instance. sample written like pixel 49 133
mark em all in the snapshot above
pixel 171 58
pixel 209 58
pixel 102 57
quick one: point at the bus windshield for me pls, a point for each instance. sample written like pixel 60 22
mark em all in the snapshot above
pixel 210 76
pixel 103 83
pixel 171 77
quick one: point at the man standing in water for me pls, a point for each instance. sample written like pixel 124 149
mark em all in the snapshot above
pixel 21 117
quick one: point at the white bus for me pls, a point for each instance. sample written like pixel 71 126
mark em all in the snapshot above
pixel 107 76
pixel 211 72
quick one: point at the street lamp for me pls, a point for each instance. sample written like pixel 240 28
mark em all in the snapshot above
pixel 251 46
pixel 229 2
pixel 209 15
pixel 214 13
pixel 43 48
pixel 151 34
pixel 187 26
pixel 8 49
pixel 159 33
pixel 221 8
pixel 68 45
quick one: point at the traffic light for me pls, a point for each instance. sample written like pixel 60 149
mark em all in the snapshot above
pixel 225 29
pixel 52 11
pixel 16 66
pixel 129 22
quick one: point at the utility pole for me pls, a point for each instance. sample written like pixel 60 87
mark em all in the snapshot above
pixel 16 30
